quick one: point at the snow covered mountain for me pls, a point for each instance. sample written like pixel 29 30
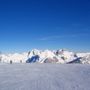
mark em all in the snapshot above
pixel 46 56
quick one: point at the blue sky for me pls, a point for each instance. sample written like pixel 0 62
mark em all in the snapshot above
pixel 42 24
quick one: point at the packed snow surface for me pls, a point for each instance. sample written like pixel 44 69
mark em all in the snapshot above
pixel 44 77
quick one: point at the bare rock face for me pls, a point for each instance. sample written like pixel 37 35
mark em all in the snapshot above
pixel 51 60
pixel 59 52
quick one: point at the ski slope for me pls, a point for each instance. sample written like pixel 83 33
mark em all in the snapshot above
pixel 44 77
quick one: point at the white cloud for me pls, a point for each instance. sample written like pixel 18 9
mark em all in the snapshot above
pixel 63 36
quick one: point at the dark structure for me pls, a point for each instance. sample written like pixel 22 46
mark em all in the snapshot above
pixel 20 61
pixel 10 61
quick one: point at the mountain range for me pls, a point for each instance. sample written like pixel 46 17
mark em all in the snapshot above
pixel 61 56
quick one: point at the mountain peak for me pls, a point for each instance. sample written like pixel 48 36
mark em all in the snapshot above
pixel 43 56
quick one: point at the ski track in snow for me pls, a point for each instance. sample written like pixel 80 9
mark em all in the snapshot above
pixel 44 77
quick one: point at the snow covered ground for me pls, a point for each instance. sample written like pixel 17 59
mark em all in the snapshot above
pixel 44 77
